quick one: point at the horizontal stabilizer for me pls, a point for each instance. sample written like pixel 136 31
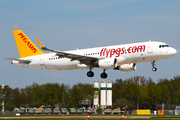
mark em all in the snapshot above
pixel 19 60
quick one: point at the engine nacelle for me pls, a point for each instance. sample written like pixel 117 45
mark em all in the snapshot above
pixel 108 63
pixel 127 67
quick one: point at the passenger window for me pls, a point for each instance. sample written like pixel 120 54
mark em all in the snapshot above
pixel 160 46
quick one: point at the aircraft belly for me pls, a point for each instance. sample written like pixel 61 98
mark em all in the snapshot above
pixel 28 65
pixel 61 64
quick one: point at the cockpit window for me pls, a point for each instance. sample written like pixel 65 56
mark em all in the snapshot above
pixel 162 46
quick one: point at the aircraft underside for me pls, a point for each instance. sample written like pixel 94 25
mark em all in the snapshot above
pixel 127 67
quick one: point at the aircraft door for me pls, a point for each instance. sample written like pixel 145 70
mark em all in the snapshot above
pixel 150 48
pixel 41 61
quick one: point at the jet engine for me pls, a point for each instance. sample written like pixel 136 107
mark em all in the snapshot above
pixel 108 63
pixel 126 67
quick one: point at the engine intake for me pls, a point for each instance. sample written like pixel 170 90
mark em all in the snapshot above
pixel 108 63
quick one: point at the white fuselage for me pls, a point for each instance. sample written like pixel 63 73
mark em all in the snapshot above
pixel 132 53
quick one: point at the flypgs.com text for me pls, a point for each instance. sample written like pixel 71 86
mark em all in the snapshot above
pixel 135 49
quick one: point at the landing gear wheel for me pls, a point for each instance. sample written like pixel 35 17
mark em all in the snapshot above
pixel 90 74
pixel 104 75
pixel 154 69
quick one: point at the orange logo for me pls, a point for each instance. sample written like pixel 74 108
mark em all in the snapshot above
pixel 29 44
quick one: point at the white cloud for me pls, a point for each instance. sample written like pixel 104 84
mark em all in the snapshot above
pixel 19 26
pixel 15 26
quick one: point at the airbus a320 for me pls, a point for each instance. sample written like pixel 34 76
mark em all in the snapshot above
pixel 118 57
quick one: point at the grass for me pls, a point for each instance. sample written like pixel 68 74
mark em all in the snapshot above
pixel 92 119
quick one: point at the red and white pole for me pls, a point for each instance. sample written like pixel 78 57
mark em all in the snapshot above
pixel 122 116
pixel 88 116
pixel 126 109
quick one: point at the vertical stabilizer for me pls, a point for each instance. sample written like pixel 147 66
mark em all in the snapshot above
pixel 25 46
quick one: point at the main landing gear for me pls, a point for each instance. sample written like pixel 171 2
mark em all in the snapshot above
pixel 154 68
pixel 91 74
pixel 104 75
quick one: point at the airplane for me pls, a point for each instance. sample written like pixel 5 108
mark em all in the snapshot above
pixel 118 57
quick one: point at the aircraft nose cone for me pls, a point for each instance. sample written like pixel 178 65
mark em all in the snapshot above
pixel 173 51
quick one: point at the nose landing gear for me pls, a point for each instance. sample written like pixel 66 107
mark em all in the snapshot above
pixel 154 69
pixel 153 64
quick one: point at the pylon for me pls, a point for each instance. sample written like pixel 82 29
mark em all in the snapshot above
pixel 88 116
pixel 122 116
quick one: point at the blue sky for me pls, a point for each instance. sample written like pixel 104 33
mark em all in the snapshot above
pixel 68 24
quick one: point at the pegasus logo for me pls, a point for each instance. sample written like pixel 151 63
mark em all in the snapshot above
pixel 29 44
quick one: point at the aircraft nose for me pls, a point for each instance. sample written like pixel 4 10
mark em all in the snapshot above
pixel 173 51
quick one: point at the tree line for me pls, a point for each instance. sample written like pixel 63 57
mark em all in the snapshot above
pixel 137 92
pixel 141 93
pixel 47 94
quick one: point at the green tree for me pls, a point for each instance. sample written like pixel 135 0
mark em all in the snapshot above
pixel 117 87
pixel 64 97
pixel 121 103
pixel 28 91
pixel 80 92
pixel 23 98
pixel 6 96
pixel 143 99
pixel 174 86
pixel 133 94
pixel 38 95
pixel 16 97
pixel 152 93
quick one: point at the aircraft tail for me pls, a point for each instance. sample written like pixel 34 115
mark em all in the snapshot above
pixel 25 46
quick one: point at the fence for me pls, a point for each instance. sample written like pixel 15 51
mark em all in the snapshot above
pixel 134 112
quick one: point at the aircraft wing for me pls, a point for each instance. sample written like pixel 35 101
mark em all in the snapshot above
pixel 81 58
pixel 19 60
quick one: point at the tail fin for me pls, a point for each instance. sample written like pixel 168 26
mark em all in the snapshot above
pixel 25 46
